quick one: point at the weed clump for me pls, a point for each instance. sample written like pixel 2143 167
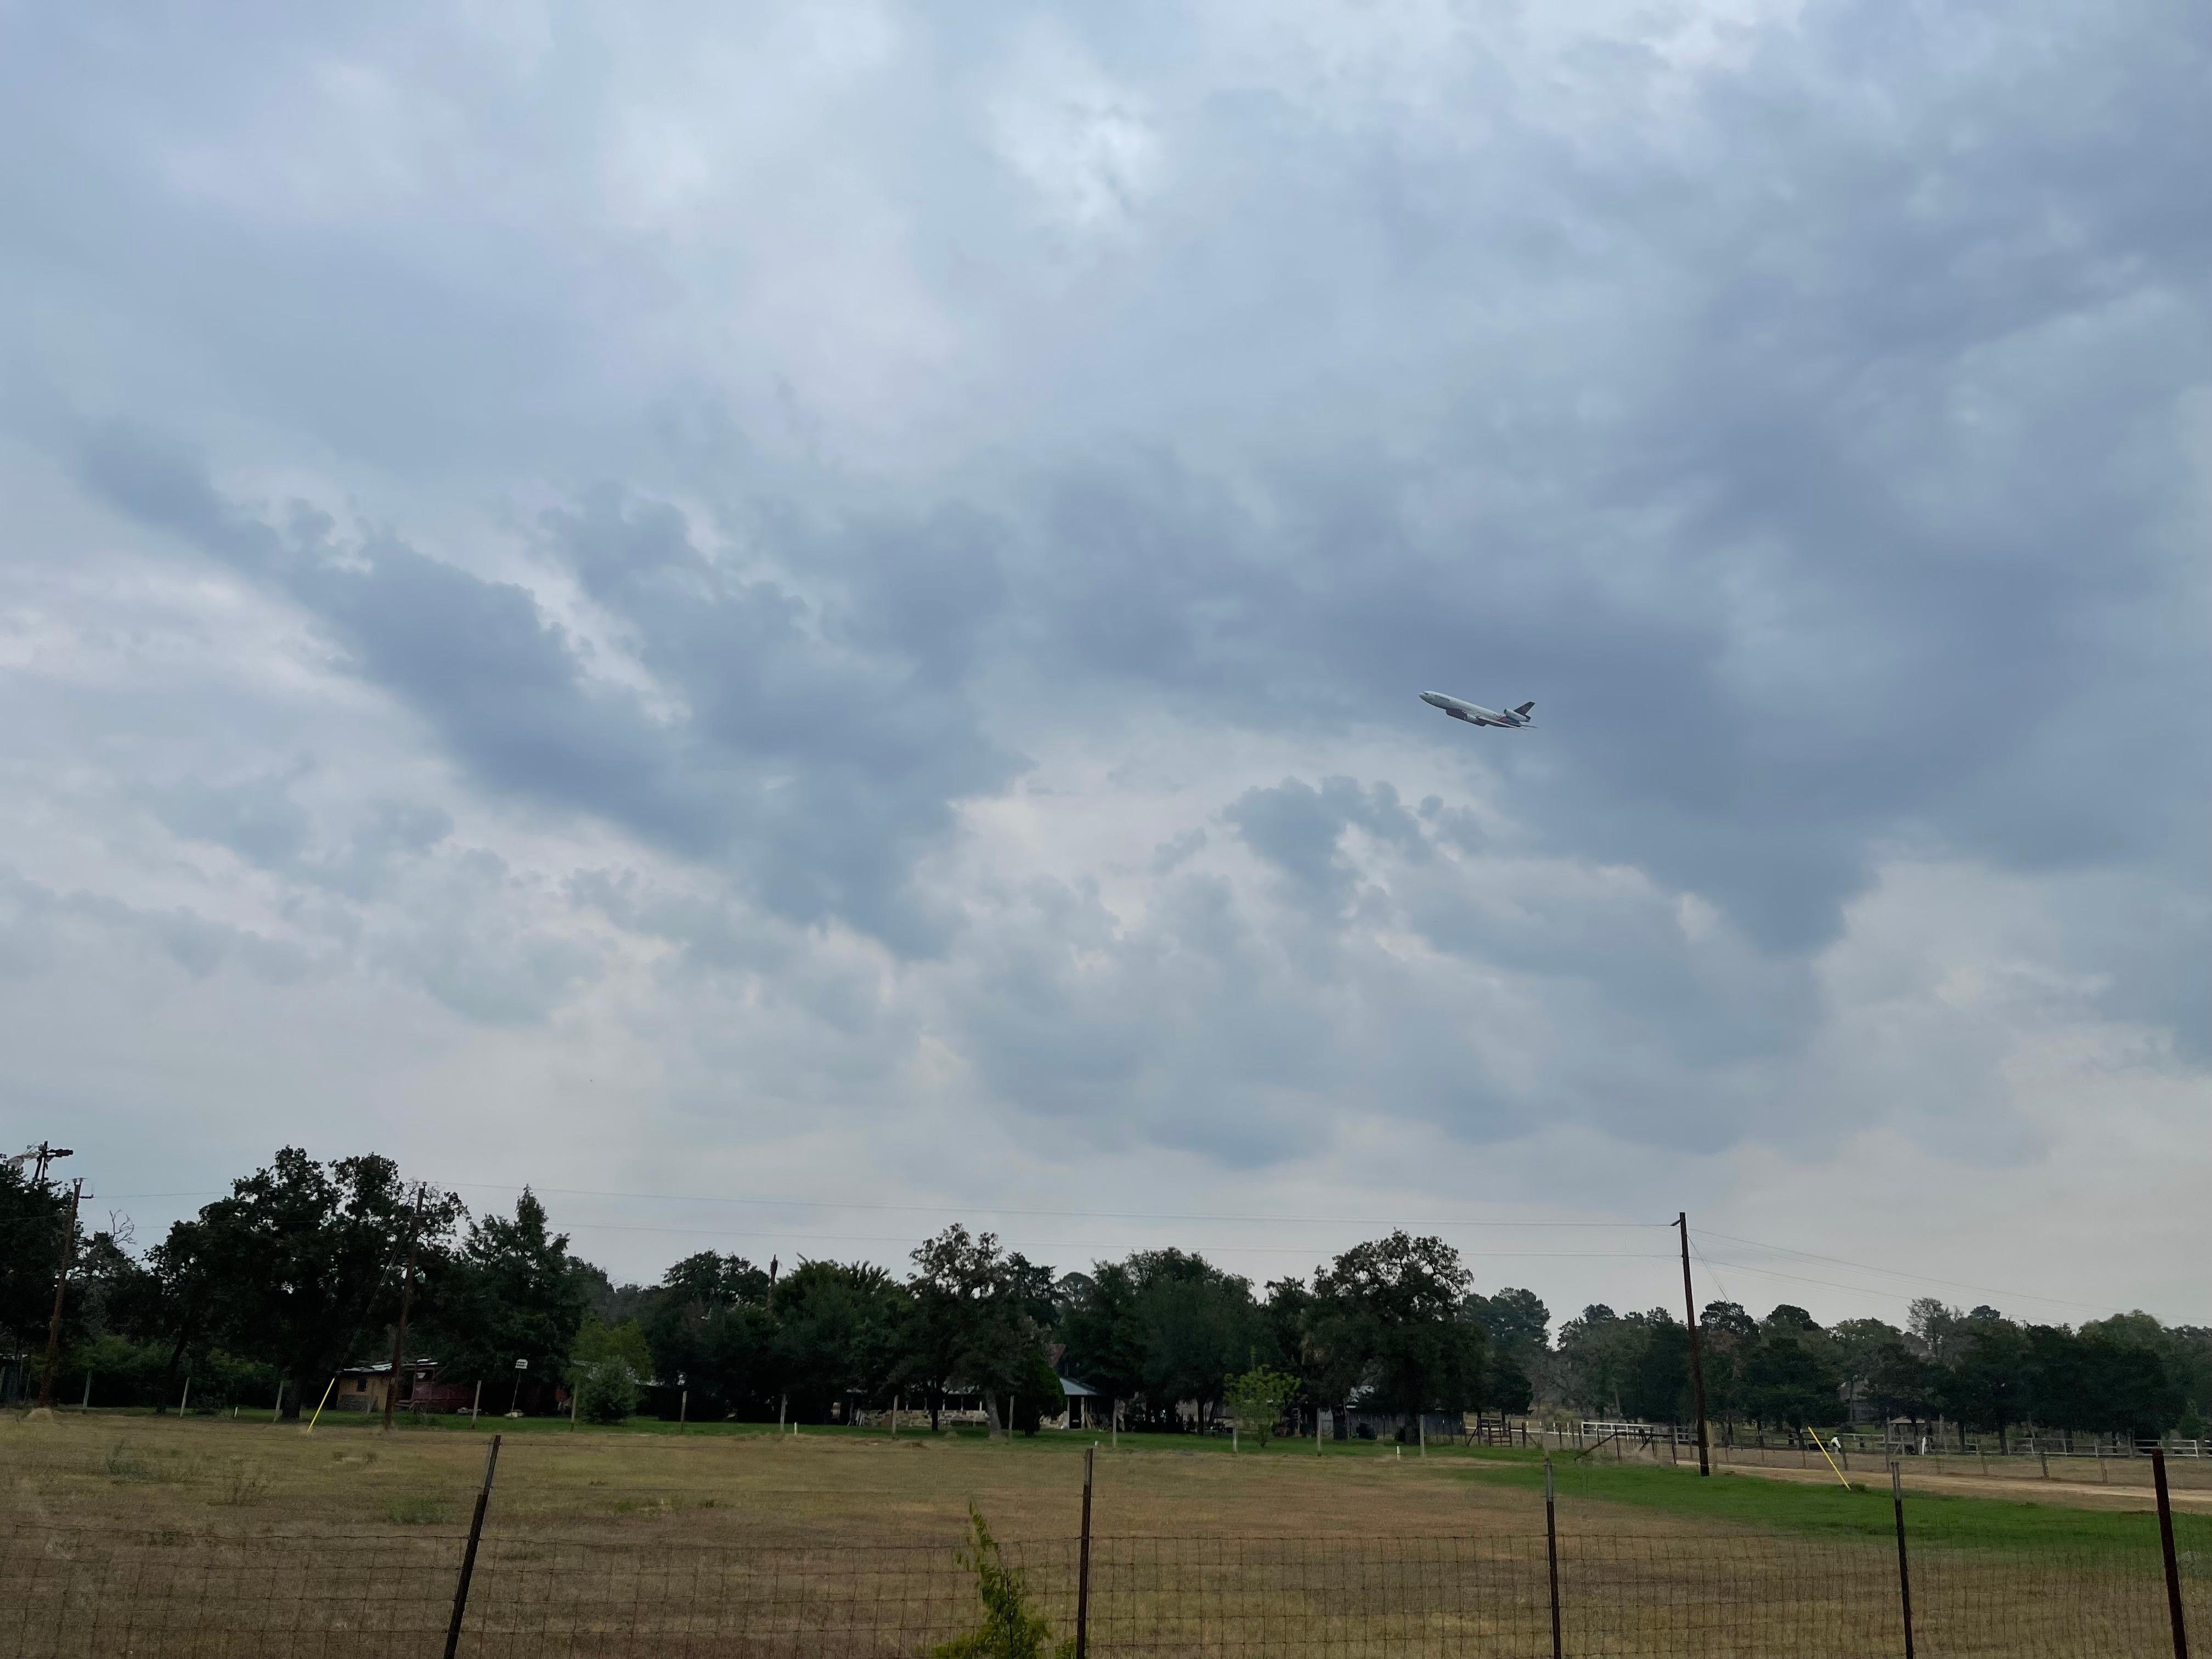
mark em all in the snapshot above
pixel 245 1484
pixel 1010 1629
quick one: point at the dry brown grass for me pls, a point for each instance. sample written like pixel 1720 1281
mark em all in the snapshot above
pixel 347 1477
pixel 205 1537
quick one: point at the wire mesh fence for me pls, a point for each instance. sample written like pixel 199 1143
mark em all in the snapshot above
pixel 169 1595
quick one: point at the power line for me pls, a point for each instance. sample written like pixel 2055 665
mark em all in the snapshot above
pixel 1892 1272
pixel 959 1208
pixel 1065 1245
pixel 1896 1295
pixel 1057 1214
pixel 1709 1266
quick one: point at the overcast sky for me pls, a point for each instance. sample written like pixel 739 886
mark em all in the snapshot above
pixel 825 603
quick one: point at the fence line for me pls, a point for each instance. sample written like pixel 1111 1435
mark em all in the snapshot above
pixel 2027 1443
pixel 71 1594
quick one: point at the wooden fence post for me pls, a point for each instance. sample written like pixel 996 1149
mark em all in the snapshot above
pixel 1903 1572
pixel 2172 1567
pixel 469 1557
pixel 1083 1565
pixel 1552 1558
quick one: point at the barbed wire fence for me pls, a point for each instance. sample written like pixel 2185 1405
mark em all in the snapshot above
pixel 74 1593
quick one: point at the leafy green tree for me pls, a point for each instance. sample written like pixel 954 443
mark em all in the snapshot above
pixel 1985 1387
pixel 1791 1378
pixel 1104 1339
pixel 1387 1322
pixel 1726 1322
pixel 710 1321
pixel 1515 1322
pixel 1197 1327
pixel 2140 1397
pixel 1285 1345
pixel 1518 1329
pixel 33 1216
pixel 974 1320
pixel 838 1330
pixel 1597 1351
pixel 300 1266
pixel 1937 1332
pixel 2159 1375
pixel 612 1366
pixel 1506 1384
pixel 513 1290
pixel 1657 1389
pixel 1856 1344
pixel 1256 1398
pixel 1726 1334
pixel 1167 1326
pixel 1035 1396
pixel 1899 1381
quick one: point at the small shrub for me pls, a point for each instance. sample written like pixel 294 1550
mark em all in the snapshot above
pixel 1010 1629
pixel 246 1483
pixel 1256 1398
pixel 607 1392
pixel 417 1511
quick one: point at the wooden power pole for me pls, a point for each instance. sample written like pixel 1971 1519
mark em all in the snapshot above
pixel 61 1287
pixel 1697 1358
pixel 406 1295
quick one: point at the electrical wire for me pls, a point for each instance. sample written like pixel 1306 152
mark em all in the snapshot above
pixel 1885 1295
pixel 1890 1272
pixel 1057 1214
pixel 1071 1243
pixel 1698 1250
pixel 1001 1209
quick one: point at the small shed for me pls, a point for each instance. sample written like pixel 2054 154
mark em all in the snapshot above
pixel 363 1389
pixel 1086 1407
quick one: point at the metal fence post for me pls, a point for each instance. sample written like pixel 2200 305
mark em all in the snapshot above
pixel 1083 1565
pixel 469 1557
pixel 2165 1544
pixel 1552 1558
pixel 1903 1572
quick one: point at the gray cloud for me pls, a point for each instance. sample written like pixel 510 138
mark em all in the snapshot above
pixel 824 768
pixel 621 542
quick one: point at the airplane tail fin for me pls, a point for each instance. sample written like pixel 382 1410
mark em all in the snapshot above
pixel 1524 708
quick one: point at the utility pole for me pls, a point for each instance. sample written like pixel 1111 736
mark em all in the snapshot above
pixel 61 1286
pixel 40 1155
pixel 406 1294
pixel 1697 1358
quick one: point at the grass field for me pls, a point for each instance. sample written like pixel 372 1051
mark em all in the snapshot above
pixel 233 1537
pixel 749 1482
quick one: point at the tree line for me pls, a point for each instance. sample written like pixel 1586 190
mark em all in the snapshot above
pixel 300 1269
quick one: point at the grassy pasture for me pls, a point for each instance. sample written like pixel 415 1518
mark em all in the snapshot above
pixel 747 1481
pixel 735 1540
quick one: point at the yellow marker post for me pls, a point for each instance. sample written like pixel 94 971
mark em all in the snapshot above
pixel 325 1400
pixel 1829 1461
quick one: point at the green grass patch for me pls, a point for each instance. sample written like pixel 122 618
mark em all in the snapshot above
pixel 413 1511
pixel 1863 1511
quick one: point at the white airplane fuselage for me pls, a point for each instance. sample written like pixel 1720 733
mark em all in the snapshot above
pixel 1475 714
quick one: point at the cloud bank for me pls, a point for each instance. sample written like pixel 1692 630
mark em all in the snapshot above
pixel 829 607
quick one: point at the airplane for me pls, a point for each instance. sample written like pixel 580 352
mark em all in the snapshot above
pixel 1475 714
